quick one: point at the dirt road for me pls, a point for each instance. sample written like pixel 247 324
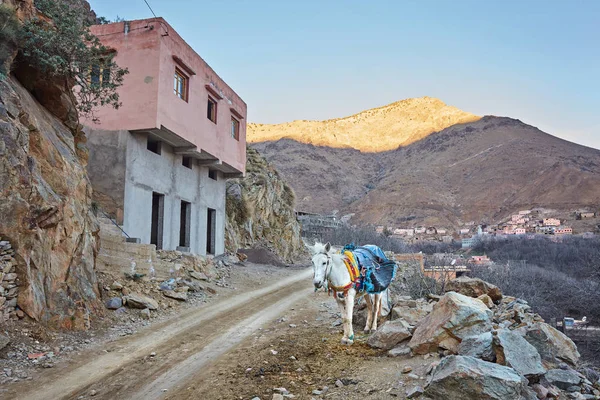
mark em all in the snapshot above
pixel 159 360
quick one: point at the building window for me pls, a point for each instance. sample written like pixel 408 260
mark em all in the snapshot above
pixel 186 162
pixel 181 85
pixel 100 75
pixel 154 146
pixel 212 174
pixel 235 128
pixel 211 110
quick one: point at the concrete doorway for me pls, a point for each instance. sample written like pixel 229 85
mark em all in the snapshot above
pixel 158 207
pixel 211 231
pixel 184 224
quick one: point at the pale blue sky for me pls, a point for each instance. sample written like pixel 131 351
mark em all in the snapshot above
pixel 536 60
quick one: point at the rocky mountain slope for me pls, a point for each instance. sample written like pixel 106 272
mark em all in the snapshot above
pixel 479 171
pixel 379 129
pixel 260 212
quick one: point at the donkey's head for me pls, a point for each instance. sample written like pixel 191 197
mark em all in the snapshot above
pixel 321 261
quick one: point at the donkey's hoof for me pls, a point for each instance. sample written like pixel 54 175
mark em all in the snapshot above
pixel 347 341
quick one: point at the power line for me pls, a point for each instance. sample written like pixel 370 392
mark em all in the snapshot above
pixel 152 11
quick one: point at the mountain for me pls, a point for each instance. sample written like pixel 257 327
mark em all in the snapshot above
pixel 375 130
pixel 476 171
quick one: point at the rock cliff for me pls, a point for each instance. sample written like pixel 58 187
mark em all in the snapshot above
pixel 260 212
pixel 45 211
pixel 45 197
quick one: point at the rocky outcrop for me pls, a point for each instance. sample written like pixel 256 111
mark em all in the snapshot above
pixel 459 378
pixel 453 318
pixel 45 212
pixel 474 287
pixel 260 212
pixel 9 285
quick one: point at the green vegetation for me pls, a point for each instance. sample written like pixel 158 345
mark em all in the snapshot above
pixel 62 47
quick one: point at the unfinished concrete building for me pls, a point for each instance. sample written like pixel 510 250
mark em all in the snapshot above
pixel 158 164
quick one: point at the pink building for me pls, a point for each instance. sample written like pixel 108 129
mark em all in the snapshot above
pixel 158 164
pixel 563 230
pixel 551 222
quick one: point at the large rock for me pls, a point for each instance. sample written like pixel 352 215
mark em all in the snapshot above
pixel 553 345
pixel 460 378
pixel 479 346
pixel 46 213
pixel 389 335
pixel 515 352
pixel 473 287
pixel 136 300
pixel 563 378
pixel 453 318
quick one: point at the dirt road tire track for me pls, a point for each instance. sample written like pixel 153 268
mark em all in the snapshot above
pixel 182 344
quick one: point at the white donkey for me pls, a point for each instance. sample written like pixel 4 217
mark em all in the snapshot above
pixel 330 271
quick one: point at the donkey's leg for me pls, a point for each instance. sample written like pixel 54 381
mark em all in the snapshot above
pixel 376 311
pixel 370 308
pixel 342 306
pixel 349 311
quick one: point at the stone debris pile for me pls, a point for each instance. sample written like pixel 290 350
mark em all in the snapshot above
pixel 492 347
pixel 192 277
pixel 9 284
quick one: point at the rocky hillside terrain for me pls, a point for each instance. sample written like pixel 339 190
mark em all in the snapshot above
pixel 260 212
pixel 375 130
pixel 45 199
pixel 475 171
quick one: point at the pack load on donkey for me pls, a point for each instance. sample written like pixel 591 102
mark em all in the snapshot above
pixel 376 271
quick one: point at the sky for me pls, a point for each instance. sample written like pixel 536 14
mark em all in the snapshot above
pixel 535 60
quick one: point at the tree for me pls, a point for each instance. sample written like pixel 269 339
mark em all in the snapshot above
pixel 60 45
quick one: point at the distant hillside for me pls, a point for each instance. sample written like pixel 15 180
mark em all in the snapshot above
pixel 375 130
pixel 479 171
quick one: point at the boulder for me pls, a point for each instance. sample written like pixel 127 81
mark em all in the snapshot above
pixel 554 346
pixel 540 391
pixel 136 300
pixel 453 318
pixel 181 296
pixel 459 378
pixel 515 352
pixel 563 378
pixel 390 334
pixel 114 303
pixel 400 350
pixel 474 287
pixel 479 346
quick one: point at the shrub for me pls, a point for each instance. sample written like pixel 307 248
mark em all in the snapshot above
pixel 62 47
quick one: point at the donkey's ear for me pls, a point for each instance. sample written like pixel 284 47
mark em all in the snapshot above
pixel 327 247
pixel 313 249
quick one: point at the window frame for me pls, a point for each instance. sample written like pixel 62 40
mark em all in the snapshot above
pixel 235 128
pixel 213 174
pixel 185 80
pixel 187 162
pixel 211 99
